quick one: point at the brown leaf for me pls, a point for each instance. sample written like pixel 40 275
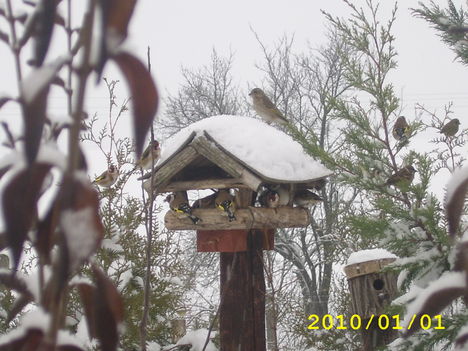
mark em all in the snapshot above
pixel 14 283
pixel 34 118
pixel 69 348
pixel 434 304
pixel 19 206
pixel 21 302
pixel 87 293
pixel 46 232
pixel 108 306
pixel 28 342
pixel 4 100
pixel 144 96
pixel 79 220
pixel 454 205
pixel 46 10
pixel 461 340
pixel 116 15
pixel 119 15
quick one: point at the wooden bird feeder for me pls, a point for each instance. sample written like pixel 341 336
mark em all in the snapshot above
pixel 371 291
pixel 197 159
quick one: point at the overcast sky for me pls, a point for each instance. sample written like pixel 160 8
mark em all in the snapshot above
pixel 184 32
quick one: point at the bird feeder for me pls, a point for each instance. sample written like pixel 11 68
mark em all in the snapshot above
pixel 242 153
pixel 371 292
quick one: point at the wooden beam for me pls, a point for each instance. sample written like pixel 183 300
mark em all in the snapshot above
pixel 231 240
pixel 202 184
pixel 249 218
pixel 163 175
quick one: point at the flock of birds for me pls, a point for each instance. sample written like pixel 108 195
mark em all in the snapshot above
pixel 270 196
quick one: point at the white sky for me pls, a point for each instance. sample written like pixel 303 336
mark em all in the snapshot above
pixel 184 32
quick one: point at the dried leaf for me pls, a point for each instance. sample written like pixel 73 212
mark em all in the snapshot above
pixel 34 118
pixel 144 96
pixel 21 302
pixel 119 15
pixel 4 100
pixel 116 15
pixel 79 220
pixel 28 342
pixel 46 232
pixel 433 305
pixel 456 199
pixel 19 206
pixel 46 10
pixel 461 339
pixel 69 348
pixel 108 311
pixel 14 283
pixel 87 293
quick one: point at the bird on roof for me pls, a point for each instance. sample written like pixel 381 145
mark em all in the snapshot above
pixel 450 128
pixel 306 198
pixel 108 177
pixel 225 202
pixel 265 108
pixel 402 178
pixel 401 130
pixel 150 156
pixel 178 202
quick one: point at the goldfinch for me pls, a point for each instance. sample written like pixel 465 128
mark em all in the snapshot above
pixel 150 156
pixel 265 108
pixel 402 178
pixel 225 202
pixel 451 128
pixel 178 203
pixel 306 198
pixel 273 197
pixel 107 178
pixel 401 130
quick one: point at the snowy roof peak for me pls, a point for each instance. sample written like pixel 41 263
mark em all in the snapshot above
pixel 262 148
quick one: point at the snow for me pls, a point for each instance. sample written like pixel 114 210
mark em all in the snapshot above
pixel 265 149
pixel 39 78
pixel 197 339
pixel 369 255
pixel 35 319
pixel 458 177
pixel 80 232
pixel 446 281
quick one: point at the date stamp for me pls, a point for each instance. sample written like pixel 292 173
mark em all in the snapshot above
pixel 382 322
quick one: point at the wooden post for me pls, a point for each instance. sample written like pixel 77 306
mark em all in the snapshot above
pixel 242 306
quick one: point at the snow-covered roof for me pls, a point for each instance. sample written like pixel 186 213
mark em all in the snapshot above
pixel 262 148
pixel 369 255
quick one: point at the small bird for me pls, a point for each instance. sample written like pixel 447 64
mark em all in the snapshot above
pixel 274 197
pixel 178 203
pixel 451 128
pixel 401 130
pixel 306 198
pixel 107 178
pixel 150 156
pixel 402 178
pixel 225 202
pixel 265 108
pixel 319 184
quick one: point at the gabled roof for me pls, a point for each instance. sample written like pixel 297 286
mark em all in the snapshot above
pixel 235 151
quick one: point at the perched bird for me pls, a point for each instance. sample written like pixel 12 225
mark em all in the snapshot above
pixel 107 178
pixel 306 198
pixel 451 128
pixel 402 178
pixel 319 184
pixel 265 108
pixel 178 203
pixel 273 197
pixel 401 130
pixel 225 202
pixel 150 156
